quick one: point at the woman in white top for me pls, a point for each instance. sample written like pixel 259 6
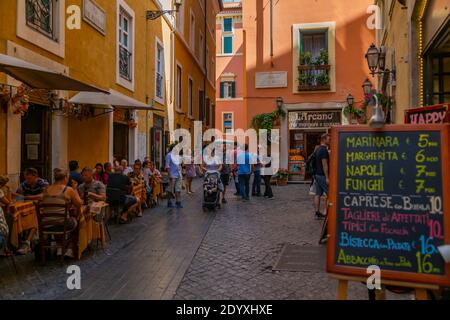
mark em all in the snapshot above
pixel 213 165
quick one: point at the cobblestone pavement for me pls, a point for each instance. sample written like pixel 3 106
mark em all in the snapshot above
pixel 188 254
pixel 236 257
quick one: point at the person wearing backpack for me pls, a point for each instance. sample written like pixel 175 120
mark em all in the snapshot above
pixel 319 164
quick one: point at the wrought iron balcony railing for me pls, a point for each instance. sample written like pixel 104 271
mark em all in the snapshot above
pixel 125 63
pixel 159 85
pixel 314 77
pixel 39 15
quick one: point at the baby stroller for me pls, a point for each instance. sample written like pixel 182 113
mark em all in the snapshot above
pixel 211 191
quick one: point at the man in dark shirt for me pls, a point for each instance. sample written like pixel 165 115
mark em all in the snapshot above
pixel 119 181
pixel 321 177
pixel 74 174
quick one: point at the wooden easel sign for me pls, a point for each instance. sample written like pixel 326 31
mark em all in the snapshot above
pixel 389 203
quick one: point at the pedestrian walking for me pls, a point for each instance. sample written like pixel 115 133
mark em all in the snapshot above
pixel 173 167
pixel 320 185
pixel 256 186
pixel 191 173
pixel 267 177
pixel 225 173
pixel 244 172
pixel 234 170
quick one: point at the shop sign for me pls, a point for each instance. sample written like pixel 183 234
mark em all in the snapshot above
pixel 314 119
pixel 428 115
pixel 94 15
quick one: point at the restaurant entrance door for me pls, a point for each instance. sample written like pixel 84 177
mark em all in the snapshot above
pixel 36 141
pixel 157 136
pixel 121 141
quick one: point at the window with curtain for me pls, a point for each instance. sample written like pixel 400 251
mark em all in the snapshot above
pixel 313 42
pixel 227 89
pixel 125 45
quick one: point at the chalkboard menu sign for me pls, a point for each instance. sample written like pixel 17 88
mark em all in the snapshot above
pixel 389 201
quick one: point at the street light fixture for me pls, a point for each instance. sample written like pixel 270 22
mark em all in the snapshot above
pixel 155 14
pixel 376 60
pixel 280 102
pixel 372 57
pixel 367 87
pixel 350 100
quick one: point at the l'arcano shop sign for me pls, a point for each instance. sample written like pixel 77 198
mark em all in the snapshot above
pixel 314 119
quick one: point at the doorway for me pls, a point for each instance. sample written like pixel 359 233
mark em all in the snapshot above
pixel 36 133
pixel 121 133
pixel 157 135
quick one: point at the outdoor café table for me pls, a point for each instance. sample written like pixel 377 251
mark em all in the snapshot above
pixel 89 230
pixel 24 218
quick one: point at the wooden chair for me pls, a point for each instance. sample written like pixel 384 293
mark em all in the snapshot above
pixel 55 224
pixel 113 196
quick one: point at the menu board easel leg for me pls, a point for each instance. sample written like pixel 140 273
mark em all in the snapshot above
pixel 342 289
pixel 421 294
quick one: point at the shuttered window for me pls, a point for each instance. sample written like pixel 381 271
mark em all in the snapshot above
pixel 228 89
pixel 227 44
pixel 228 25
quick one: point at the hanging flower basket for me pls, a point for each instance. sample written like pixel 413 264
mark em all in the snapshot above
pixel 132 124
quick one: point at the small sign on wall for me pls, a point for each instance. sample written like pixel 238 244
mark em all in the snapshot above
pixel 94 15
pixel 276 79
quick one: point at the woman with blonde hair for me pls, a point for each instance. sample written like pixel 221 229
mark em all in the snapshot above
pixel 60 193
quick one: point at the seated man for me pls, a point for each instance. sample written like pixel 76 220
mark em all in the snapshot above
pixel 122 183
pixel 32 188
pixel 91 190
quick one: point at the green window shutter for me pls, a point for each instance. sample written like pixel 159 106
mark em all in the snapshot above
pixel 222 90
pixel 228 45
pixel 233 89
pixel 228 24
pixel 300 42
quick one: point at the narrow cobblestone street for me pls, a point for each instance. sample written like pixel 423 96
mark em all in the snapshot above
pixel 189 254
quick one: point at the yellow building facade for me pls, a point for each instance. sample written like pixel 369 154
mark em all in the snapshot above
pixel 415 35
pixel 194 65
pixel 108 44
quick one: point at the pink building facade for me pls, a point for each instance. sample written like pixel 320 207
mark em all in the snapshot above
pixel 230 75
pixel 311 54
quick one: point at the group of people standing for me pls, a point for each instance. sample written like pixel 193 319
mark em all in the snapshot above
pixel 239 166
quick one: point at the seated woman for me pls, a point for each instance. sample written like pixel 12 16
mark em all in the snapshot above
pixel 4 201
pixel 156 183
pixel 60 193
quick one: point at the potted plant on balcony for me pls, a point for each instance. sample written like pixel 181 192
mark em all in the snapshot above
pixel 314 72
pixel 305 58
pixel 282 177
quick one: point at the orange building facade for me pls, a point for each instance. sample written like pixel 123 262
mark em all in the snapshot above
pixel 311 54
